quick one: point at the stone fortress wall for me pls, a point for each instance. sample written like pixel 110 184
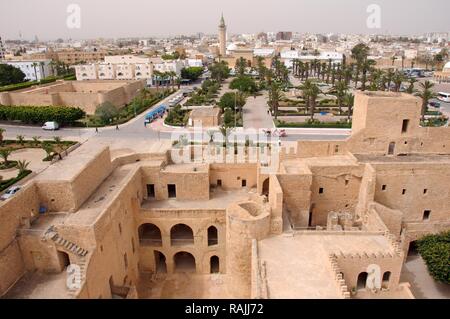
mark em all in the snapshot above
pixel 118 218
pixel 86 95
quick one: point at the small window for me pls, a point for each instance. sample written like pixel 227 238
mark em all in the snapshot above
pixel 321 190
pixel 405 126
pixel 244 183
pixel 403 191
pixel 383 188
pixel 425 191
pixel 426 214
pixel 172 190
pixel 120 228
pixel 336 148
pixel 346 182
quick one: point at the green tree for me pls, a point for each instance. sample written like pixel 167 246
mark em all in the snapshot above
pixel 241 66
pixel 106 112
pixel 10 75
pixel 341 89
pixel 244 84
pixel 275 96
pixel 192 73
pixel 411 88
pixel 426 94
pixel 219 71
pixel 48 148
pixel 230 100
pixel 435 250
pixel 349 101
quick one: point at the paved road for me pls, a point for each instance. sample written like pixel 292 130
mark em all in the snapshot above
pixel 255 113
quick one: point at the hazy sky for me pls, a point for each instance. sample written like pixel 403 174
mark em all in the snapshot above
pixel 145 18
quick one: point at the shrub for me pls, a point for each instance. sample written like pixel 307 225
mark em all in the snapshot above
pixel 177 117
pixel 106 112
pixel 435 250
pixel 9 182
pixel 41 114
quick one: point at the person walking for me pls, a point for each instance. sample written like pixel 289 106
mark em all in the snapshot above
pixel 117 127
pixel 96 130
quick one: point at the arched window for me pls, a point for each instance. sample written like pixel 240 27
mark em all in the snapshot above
pixel 181 234
pixel 184 262
pixel 149 234
pixel 214 265
pixel 212 236
pixel 160 262
pixel 386 279
pixel 362 279
pixel 265 189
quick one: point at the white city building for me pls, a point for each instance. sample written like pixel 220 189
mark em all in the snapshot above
pixel 34 70
pixel 287 57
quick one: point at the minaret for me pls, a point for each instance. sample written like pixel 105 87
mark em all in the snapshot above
pixel 222 37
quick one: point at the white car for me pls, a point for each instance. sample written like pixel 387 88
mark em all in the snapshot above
pixel 50 126
pixel 10 192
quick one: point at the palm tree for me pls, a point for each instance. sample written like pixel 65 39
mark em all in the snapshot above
pixel 36 140
pixel 22 166
pixel 393 59
pixel 426 94
pixel 5 153
pixel 2 130
pixel 53 66
pixel 375 79
pixel 311 92
pixel 341 90
pixel 42 64
pixel 275 95
pixel 225 131
pixel 35 72
pixel 349 100
pixel 403 61
pixel 20 139
pixel 389 76
pixel 366 66
pixel 411 89
pixel 398 79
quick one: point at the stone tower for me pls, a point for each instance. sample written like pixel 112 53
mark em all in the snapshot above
pixel 222 37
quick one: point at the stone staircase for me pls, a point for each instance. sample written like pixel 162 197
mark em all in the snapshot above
pixel 69 246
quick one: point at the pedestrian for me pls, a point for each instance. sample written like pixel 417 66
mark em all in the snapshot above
pixel 96 130
pixel 145 123
pixel 117 127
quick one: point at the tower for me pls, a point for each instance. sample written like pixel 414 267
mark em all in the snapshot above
pixel 222 37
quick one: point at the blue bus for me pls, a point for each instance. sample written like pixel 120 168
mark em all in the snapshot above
pixel 158 112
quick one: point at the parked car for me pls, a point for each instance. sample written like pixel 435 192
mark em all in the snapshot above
pixel 435 104
pixel 10 192
pixel 50 126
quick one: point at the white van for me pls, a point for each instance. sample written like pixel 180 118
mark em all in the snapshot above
pixel 50 126
pixel 444 97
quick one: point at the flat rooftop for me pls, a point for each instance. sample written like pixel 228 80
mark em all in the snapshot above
pixel 298 267
pixel 219 199
pixel 419 158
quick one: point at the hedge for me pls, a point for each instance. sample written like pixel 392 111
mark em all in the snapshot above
pixel 9 182
pixel 25 85
pixel 282 124
pixel 41 114
pixel 435 250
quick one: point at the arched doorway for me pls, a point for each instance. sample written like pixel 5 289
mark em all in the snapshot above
pixel 64 260
pixel 212 236
pixel 362 279
pixel 386 279
pixel 214 265
pixel 181 234
pixel 150 234
pixel 160 262
pixel 265 188
pixel 184 262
